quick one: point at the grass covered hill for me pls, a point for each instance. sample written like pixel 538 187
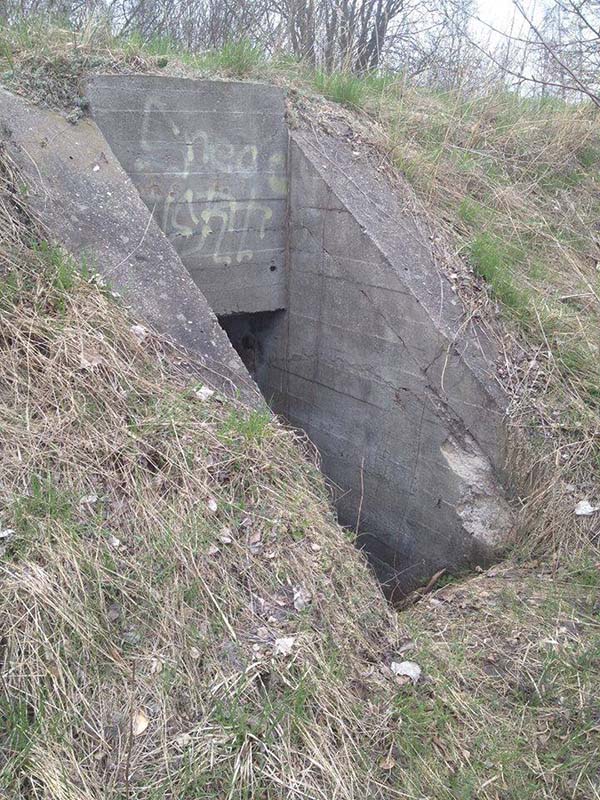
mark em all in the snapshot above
pixel 511 182
pixel 180 614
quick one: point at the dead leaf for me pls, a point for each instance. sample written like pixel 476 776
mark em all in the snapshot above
pixel 139 332
pixel 254 538
pixel 284 645
pixel 156 666
pixel 204 393
pixel 387 762
pixel 226 537
pixel 140 723
pixel 212 504
pixel 585 509
pixel 410 669
pixel 301 598
pixel 90 359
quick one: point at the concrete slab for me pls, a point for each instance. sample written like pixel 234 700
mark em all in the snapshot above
pixel 210 159
pixel 89 205
pixel 381 371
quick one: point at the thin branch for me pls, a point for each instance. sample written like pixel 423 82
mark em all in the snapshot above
pixel 581 86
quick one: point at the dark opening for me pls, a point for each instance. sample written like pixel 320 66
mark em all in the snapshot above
pixel 252 336
pixel 259 339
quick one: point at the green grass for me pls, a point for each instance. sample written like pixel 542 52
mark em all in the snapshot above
pixel 525 681
pixel 152 569
pixel 252 427
pixel 342 87
pixel 162 46
pixel 495 260
pixel 239 59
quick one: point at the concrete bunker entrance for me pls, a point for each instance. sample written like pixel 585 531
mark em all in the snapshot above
pixel 326 283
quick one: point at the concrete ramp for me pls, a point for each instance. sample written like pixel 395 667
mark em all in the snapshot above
pixel 89 205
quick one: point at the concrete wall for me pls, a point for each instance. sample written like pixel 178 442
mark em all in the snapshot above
pixel 209 159
pixel 373 361
pixel 330 290
pixel 89 206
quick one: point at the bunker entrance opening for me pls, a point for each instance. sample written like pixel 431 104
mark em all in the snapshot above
pixel 328 283
pixel 252 337
pixel 257 338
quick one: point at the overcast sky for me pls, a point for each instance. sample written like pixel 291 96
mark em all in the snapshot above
pixel 500 13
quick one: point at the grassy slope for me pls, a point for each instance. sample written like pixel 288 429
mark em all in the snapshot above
pixel 514 181
pixel 122 604
pixel 179 614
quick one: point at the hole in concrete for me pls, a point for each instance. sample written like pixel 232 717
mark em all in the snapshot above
pixel 252 337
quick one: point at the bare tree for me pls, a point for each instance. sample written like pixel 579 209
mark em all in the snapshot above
pixel 339 34
pixel 567 47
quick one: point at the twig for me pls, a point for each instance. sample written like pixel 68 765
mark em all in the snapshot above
pixel 582 87
pixel 130 737
pixel 362 492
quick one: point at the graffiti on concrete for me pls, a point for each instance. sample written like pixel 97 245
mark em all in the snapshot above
pixel 213 204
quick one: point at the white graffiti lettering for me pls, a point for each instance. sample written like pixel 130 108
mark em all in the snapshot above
pixel 199 206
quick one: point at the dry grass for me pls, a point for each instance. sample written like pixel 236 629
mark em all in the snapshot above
pixel 165 547
pixel 169 561
pixel 180 616
pixel 514 702
pixel 48 63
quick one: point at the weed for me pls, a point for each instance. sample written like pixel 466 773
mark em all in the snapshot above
pixel 20 724
pixel 135 44
pixel 238 59
pixel 250 426
pixel 342 87
pixel 494 259
pixel 472 212
pixel 588 156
